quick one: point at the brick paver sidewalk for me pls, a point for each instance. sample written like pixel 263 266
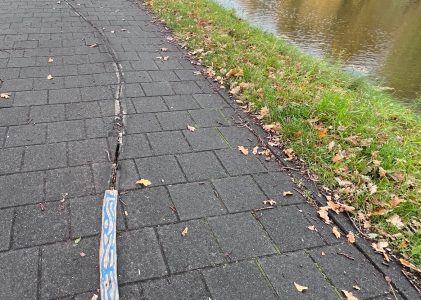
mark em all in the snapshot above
pixel 57 139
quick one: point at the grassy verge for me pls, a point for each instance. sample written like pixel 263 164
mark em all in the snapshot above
pixel 356 139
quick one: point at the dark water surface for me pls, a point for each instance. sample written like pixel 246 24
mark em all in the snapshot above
pixel 378 38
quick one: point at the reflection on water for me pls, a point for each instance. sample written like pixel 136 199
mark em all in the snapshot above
pixel 381 38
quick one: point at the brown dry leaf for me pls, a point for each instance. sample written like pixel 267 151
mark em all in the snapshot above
pixel 49 77
pixel 343 183
pixel 336 232
pixel 397 176
pixel 94 297
pixel 372 188
pixel 404 244
pixel 191 128
pixel 144 182
pixel 255 150
pixel 236 72
pixel 331 145
pixel 270 202
pixel 396 201
pixel 312 228
pixel 5 95
pixel 336 207
pixel 93 45
pixel 354 140
pixel 356 287
pixel 322 132
pixel 382 172
pixel 396 220
pixel 349 295
pixel 185 231
pixel 407 264
pixel 323 214
pixel 82 254
pixel 287 193
pixel 264 111
pixel 243 150
pixel 379 246
pixel 300 288
pixel 350 237
pixel 289 153
pixel 341 155
pixel 164 49
pixel 274 127
pixel 50 60
pixel 379 212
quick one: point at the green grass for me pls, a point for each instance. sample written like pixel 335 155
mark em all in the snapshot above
pixel 299 89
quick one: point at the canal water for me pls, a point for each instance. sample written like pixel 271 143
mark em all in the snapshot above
pixel 377 38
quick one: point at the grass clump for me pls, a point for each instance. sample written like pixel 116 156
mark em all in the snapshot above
pixel 357 140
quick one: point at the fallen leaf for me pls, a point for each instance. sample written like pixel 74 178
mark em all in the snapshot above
pixel 236 72
pixel 164 49
pixel 289 153
pixel 300 288
pixel 396 220
pixel 331 145
pixel 49 77
pixel 83 254
pixel 191 128
pixel 350 237
pixel 185 231
pixel 270 202
pixel 341 155
pixel 379 246
pixel 379 212
pixel 343 183
pixel 349 295
pixel 243 150
pixel 287 193
pixel 322 132
pixel 77 241
pixel 274 127
pixel 404 244
pixel 356 287
pixel 372 188
pixel 94 297
pixel 5 95
pixel 396 201
pixel 336 232
pixel 382 172
pixel 255 150
pixel 144 182
pixel 93 45
pixel 323 214
pixel 50 59
pixel 165 58
pixel 407 264
pixel 264 111
pixel 312 228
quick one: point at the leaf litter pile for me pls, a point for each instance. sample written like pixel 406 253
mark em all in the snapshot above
pixel 349 137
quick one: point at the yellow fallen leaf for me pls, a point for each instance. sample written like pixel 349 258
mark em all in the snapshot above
pixel 144 182
pixel 185 231
pixel 350 237
pixel 243 150
pixel 322 132
pixel 336 232
pixel 5 95
pixel 287 193
pixel 349 295
pixel 191 128
pixel 49 77
pixel 270 202
pixel 300 288
pixel 50 60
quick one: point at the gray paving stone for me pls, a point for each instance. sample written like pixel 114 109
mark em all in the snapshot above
pixel 205 139
pixel 188 75
pixel 30 98
pixel 75 181
pixel 140 123
pixel 87 151
pixel 241 236
pixel 210 100
pixel 16 85
pixel 185 87
pixel 149 104
pixel 35 225
pixel 238 136
pixel 129 292
pixel 174 120
pixel 18 276
pixel 47 113
pixel 163 76
pixel 13 116
pixel 201 165
pixel 64 96
pixel 25 135
pixel 65 272
pixel 160 170
pixel 275 184
pixel 135 145
pixel 148 207
pixel 66 131
pixel 96 93
pixel 157 88
pixel 237 163
pixel 286 269
pixel 295 234
pixel 31 186
pixel 344 273
pixel 238 281
pixel 181 102
pixel 197 249
pixel 195 200
pixel 188 286
pixel 6 219
pixel 84 110
pixel 47 156
pixel 208 117
pixel 139 256
pixel 128 174
pixel 168 142
pixel 10 160
pixel 133 90
pixel 239 193
pixel 99 127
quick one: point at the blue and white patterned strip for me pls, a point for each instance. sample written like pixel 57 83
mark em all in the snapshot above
pixel 108 248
